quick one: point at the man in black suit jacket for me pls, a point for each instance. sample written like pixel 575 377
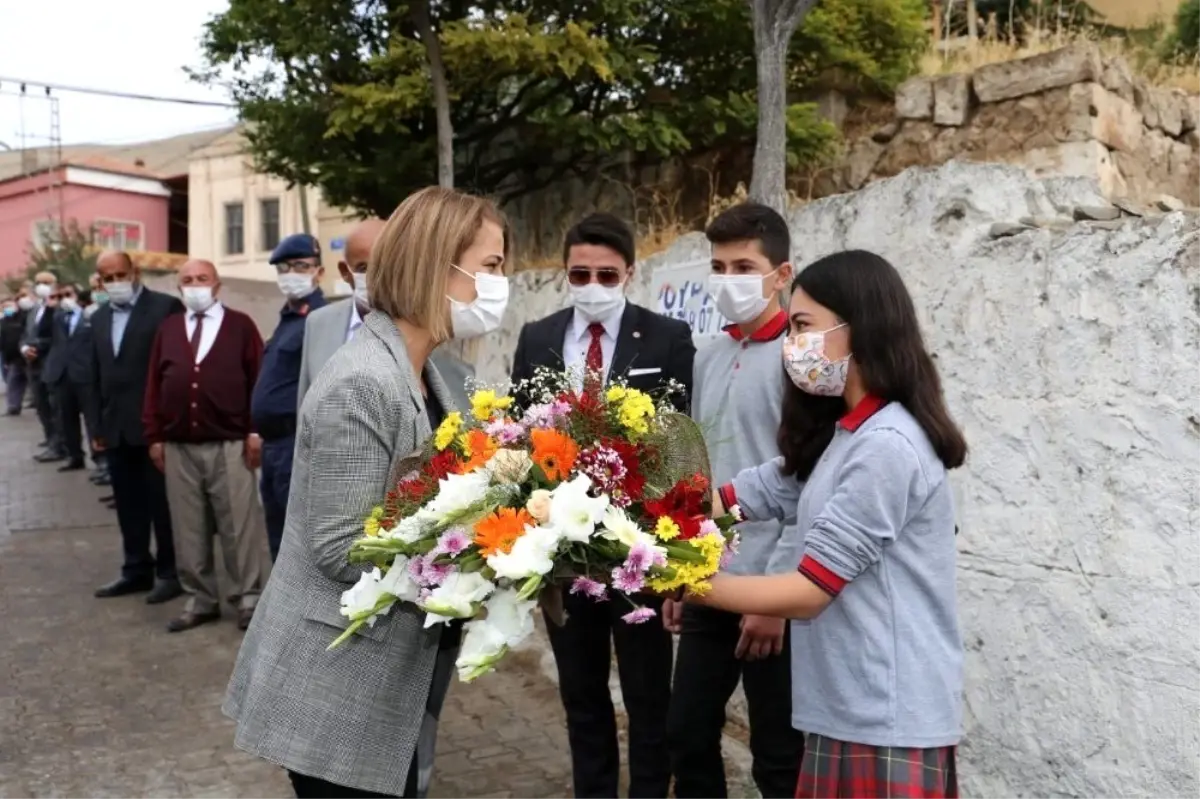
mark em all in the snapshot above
pixel 123 331
pixel 603 335
pixel 69 374
pixel 35 347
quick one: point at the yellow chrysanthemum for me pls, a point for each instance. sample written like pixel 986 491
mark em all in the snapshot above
pixel 371 525
pixel 694 575
pixel 616 393
pixel 666 528
pixel 485 403
pixel 447 430
pixel 635 411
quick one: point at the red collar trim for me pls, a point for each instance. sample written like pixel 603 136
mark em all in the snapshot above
pixel 773 329
pixel 867 407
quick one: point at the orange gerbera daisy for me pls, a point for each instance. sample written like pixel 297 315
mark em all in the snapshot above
pixel 480 449
pixel 497 532
pixel 555 452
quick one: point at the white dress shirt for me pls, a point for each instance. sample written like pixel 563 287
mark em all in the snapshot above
pixel 208 333
pixel 355 321
pixel 579 338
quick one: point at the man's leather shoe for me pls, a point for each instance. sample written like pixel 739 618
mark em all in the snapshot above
pixel 187 620
pixel 103 480
pixel 122 586
pixel 245 615
pixel 164 591
pixel 72 466
pixel 49 456
pixel 109 498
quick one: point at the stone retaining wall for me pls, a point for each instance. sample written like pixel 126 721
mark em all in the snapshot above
pixel 1067 112
pixel 1067 333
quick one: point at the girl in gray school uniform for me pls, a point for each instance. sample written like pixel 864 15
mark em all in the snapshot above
pixel 866 445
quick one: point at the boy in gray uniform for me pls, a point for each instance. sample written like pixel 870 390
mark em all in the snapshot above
pixel 736 397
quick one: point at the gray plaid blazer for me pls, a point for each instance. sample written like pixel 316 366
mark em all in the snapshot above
pixel 350 716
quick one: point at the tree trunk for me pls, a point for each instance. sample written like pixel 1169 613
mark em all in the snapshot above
pixel 774 23
pixel 441 92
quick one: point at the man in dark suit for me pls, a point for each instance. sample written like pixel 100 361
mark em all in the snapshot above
pixel 70 375
pixel 35 348
pixel 601 336
pixel 123 332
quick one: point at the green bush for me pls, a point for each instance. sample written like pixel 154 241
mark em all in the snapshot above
pixel 1184 38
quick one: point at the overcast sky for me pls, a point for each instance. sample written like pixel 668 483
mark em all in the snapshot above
pixel 125 45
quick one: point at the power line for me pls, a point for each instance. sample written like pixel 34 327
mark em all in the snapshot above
pixel 48 87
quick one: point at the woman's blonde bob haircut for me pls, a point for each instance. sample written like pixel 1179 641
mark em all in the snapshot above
pixel 411 260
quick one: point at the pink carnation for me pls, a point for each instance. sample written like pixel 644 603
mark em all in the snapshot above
pixel 639 615
pixel 589 587
pixel 627 581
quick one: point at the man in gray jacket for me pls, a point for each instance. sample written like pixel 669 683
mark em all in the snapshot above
pixel 328 328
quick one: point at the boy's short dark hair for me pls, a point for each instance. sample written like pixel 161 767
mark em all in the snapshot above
pixel 753 222
pixel 602 230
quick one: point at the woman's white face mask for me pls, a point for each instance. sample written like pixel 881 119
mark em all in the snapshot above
pixel 483 314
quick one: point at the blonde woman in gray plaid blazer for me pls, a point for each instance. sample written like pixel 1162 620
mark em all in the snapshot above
pixel 360 720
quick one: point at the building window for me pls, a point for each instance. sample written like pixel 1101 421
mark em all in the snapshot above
pixel 270 224
pixel 45 234
pixel 114 235
pixel 235 229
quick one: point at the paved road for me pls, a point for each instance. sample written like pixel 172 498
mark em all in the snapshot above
pixel 97 699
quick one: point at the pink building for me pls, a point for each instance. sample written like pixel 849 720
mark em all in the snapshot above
pixel 127 207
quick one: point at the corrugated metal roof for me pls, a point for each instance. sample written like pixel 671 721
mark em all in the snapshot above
pixel 162 158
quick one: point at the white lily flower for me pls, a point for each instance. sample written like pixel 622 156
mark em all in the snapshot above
pixel 508 622
pixel 532 554
pixel 407 530
pixel 457 597
pixel 573 512
pixel 363 597
pixel 456 492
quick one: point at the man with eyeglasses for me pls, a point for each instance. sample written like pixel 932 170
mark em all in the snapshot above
pixel 297 262
pixel 601 337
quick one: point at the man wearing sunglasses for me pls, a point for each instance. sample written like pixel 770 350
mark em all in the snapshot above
pixel 601 337
pixel 297 262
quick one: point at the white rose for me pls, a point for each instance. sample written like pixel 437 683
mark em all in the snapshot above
pixel 539 505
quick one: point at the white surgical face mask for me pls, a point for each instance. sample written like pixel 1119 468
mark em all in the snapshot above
pixel 810 369
pixel 360 289
pixel 43 291
pixel 594 302
pixel 69 304
pixel 739 298
pixel 296 287
pixel 120 293
pixel 25 304
pixel 484 313
pixel 198 299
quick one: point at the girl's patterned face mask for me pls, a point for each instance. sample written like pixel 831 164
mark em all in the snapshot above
pixel 810 369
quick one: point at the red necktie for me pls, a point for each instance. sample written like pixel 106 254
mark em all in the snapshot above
pixel 593 379
pixel 195 340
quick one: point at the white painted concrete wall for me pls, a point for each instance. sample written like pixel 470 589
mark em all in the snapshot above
pixel 1072 360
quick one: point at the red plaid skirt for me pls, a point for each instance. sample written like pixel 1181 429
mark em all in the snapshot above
pixel 834 769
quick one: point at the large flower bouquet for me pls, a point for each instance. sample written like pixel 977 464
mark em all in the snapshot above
pixel 604 493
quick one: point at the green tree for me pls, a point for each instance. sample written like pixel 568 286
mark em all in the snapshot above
pixel 69 252
pixel 1184 39
pixel 338 93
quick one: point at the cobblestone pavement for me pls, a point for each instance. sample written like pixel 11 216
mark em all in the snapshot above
pixel 97 699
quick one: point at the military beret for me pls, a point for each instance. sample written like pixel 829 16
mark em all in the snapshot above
pixel 296 246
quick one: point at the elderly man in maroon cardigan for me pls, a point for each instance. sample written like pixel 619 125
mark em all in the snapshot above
pixel 197 420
